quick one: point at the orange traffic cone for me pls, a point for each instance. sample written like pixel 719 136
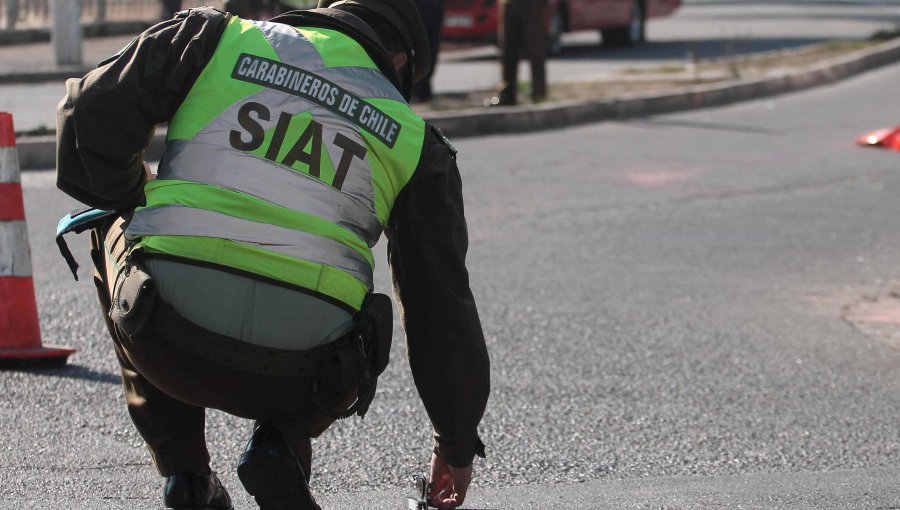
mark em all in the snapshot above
pixel 889 138
pixel 20 334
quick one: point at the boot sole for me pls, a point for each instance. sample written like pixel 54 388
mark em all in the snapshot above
pixel 274 484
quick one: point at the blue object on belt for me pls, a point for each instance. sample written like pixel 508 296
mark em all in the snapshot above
pixel 78 221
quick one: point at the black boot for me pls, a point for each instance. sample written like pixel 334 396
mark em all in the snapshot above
pixel 272 473
pixel 192 491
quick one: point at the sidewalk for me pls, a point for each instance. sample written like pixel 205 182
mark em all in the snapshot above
pixel 33 62
pixel 28 76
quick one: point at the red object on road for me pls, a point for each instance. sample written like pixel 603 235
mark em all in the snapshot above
pixel 20 333
pixel 888 138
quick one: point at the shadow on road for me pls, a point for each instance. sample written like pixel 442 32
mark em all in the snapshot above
pixel 713 126
pixel 675 50
pixel 74 372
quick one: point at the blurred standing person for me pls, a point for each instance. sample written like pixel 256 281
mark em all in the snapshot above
pixel 169 8
pixel 522 27
pixel 432 12
pixel 248 9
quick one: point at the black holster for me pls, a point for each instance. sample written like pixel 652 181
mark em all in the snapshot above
pixel 133 298
pixel 359 368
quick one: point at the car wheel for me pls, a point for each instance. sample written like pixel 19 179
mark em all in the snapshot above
pixel 555 31
pixel 632 33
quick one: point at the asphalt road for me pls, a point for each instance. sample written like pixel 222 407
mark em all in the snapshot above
pixel 663 301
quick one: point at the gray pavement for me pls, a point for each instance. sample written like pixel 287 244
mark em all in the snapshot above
pixel 863 489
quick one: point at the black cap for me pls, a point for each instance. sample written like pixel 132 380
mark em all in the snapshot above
pixel 404 16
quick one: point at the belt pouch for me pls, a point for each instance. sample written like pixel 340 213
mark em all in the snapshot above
pixel 133 299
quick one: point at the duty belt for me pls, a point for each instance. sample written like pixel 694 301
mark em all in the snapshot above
pixel 241 355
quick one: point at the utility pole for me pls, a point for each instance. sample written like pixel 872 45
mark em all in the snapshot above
pixel 101 12
pixel 12 14
pixel 66 34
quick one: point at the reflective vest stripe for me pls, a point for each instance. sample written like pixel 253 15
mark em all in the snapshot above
pixel 327 280
pixel 286 44
pixel 190 161
pixel 188 221
pixel 15 256
pixel 257 212
pixel 367 79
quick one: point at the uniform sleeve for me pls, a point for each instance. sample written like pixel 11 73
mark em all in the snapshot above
pixel 427 248
pixel 108 118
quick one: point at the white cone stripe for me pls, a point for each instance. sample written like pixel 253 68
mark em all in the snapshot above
pixel 15 255
pixel 9 165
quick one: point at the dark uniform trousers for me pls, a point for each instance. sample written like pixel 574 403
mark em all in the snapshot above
pixel 522 27
pixel 167 386
pixel 432 12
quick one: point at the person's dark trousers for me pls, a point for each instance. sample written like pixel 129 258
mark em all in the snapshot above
pixel 169 8
pixel 247 9
pixel 168 388
pixel 522 27
pixel 173 430
pixel 432 12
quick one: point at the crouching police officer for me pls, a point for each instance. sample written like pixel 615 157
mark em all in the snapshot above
pixel 240 278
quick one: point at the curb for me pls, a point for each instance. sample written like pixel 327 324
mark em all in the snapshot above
pixel 481 121
pixel 40 152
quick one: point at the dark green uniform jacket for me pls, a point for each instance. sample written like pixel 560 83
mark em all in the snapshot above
pixel 108 117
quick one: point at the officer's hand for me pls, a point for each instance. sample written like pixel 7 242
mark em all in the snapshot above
pixel 448 484
pixel 148 173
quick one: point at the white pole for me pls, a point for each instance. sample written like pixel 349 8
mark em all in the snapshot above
pixel 101 12
pixel 12 14
pixel 66 32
